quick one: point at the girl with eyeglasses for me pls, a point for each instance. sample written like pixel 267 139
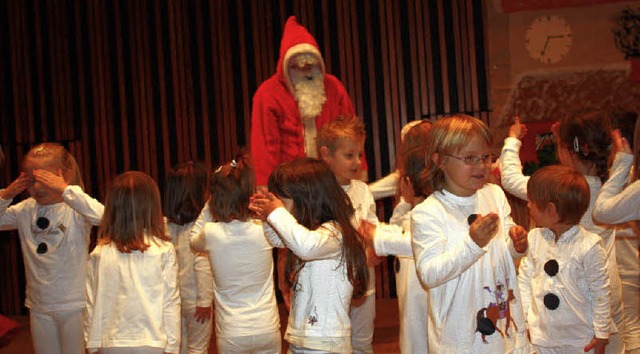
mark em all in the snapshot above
pixel 464 246
pixel 54 227
pixel 583 141
pixel 564 279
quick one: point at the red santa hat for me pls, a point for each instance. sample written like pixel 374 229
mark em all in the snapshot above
pixel 295 40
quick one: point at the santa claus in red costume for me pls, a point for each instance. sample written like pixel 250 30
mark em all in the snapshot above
pixel 290 107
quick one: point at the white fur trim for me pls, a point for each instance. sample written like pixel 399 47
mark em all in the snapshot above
pixel 297 49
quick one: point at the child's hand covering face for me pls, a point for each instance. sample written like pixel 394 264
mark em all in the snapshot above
pixel 263 203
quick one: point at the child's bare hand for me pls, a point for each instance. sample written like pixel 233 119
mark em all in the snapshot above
pixel 518 236
pixel 368 231
pixel 53 181
pixel 263 203
pixel 203 314
pixel 517 130
pixel 598 344
pixel 619 144
pixel 16 187
pixel 483 229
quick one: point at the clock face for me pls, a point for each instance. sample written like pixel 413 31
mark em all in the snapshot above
pixel 548 39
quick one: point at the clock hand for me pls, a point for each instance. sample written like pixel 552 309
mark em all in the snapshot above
pixel 546 43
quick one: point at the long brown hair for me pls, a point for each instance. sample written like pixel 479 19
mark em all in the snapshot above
pixel 132 209
pixel 317 199
pixel 231 185
pixel 185 192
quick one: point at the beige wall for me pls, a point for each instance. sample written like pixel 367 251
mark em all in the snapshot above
pixel 592 46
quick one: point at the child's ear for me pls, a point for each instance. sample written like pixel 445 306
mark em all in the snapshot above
pixel 324 152
pixel 436 158
pixel 552 209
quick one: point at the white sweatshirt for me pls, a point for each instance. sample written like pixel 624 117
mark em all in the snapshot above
pixel 55 279
pixel 133 299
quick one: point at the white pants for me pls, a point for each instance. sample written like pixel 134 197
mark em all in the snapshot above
pixel 58 332
pixel 300 350
pixel 362 322
pixel 268 343
pixel 631 300
pixel 195 335
pixel 131 350
pixel 413 306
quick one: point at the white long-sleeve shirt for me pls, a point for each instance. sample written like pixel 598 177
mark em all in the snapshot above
pixel 194 269
pixel 55 279
pixel 242 263
pixel 321 298
pixel 386 186
pixel 464 279
pixel 582 284
pixel 133 299
pixel 514 182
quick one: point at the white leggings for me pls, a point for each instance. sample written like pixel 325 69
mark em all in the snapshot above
pixel 195 335
pixel 57 332
pixel 268 343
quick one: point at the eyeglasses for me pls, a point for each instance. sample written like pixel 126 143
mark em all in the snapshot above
pixel 551 300
pixel 42 223
pixel 473 160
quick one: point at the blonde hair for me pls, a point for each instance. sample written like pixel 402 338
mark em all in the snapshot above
pixel 132 209
pixel 447 136
pixel 342 127
pixel 62 159
pixel 562 186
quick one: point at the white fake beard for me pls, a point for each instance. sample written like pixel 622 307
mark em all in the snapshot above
pixel 310 96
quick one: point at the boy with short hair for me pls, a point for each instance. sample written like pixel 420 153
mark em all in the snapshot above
pixel 341 145
pixel 564 281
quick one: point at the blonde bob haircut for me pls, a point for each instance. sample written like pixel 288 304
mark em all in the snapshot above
pixel 59 157
pixel 562 186
pixel 448 136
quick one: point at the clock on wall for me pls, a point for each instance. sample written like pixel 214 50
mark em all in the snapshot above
pixel 548 39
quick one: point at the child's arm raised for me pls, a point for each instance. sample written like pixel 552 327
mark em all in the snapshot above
pixel 513 181
pixel 7 216
pixel 321 243
pixel 74 196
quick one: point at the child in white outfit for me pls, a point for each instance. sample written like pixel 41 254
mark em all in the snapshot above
pixel 617 204
pixel 54 226
pixel 582 142
pixel 464 245
pixel 133 298
pixel 341 146
pixel 564 280
pixel 185 194
pixel 247 319
pixel 308 212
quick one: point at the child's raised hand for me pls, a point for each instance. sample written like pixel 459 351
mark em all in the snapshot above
pixel 619 143
pixel 263 203
pixel 53 181
pixel 203 314
pixel 517 130
pixel 16 187
pixel 483 228
pixel 368 231
pixel 518 236
pixel 598 343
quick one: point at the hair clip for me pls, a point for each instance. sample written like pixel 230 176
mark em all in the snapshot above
pixel 585 150
pixel 233 163
pixel 576 144
pixel 218 169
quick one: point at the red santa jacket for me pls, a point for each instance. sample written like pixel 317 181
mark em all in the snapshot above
pixel 276 125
